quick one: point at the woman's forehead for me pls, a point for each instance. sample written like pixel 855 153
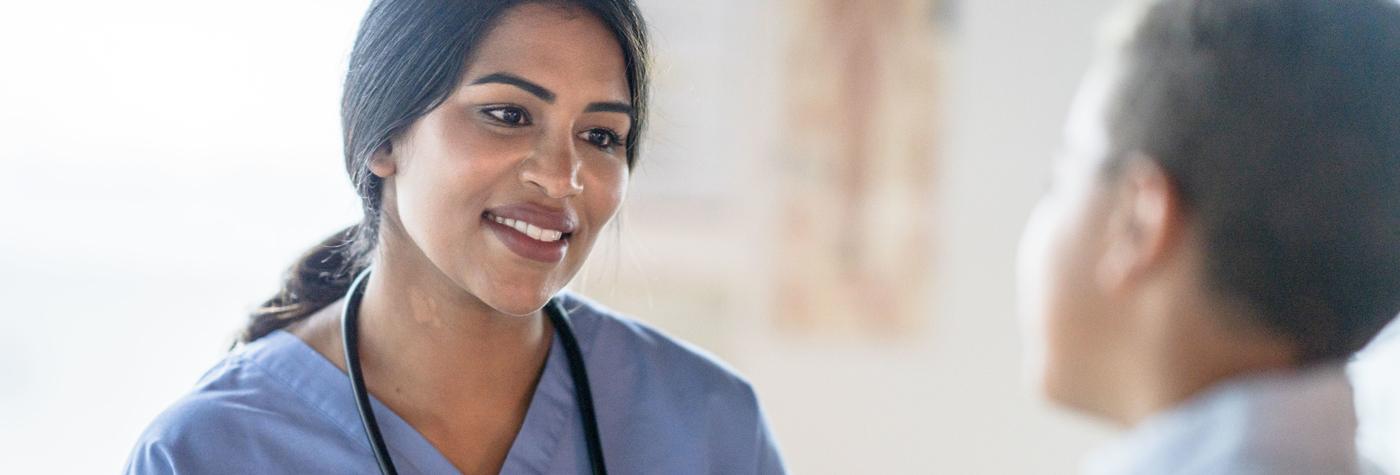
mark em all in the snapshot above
pixel 561 48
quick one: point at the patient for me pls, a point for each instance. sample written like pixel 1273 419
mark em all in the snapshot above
pixel 1223 233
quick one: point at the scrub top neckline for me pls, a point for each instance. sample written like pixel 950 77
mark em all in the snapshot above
pixel 324 387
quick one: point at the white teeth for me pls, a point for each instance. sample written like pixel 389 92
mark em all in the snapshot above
pixel 535 232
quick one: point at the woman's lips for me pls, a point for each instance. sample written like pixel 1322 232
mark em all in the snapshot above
pixel 534 241
pixel 529 229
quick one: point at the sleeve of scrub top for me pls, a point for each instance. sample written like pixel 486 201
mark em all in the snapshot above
pixel 149 459
pixel 769 461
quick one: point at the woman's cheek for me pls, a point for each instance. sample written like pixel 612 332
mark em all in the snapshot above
pixel 604 188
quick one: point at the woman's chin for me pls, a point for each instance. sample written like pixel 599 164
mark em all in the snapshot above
pixel 520 311
pixel 514 291
pixel 518 304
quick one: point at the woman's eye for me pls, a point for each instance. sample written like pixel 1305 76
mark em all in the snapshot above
pixel 511 116
pixel 601 138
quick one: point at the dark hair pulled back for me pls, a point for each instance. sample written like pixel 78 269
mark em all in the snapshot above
pixel 408 58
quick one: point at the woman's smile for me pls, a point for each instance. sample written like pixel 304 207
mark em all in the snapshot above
pixel 533 231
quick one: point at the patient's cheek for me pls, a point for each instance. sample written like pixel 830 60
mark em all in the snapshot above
pixel 1052 292
pixel 1034 286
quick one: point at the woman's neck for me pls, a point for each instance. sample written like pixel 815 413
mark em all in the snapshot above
pixel 459 372
pixel 442 346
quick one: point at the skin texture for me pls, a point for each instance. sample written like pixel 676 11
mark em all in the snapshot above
pixel 1116 312
pixel 453 339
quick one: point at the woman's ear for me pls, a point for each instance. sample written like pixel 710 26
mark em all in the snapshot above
pixel 383 163
pixel 1144 224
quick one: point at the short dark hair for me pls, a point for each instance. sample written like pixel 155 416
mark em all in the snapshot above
pixel 1278 122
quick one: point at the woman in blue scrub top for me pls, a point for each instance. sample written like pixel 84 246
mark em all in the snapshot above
pixel 490 142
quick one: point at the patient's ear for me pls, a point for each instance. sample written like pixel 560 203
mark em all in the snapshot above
pixel 1144 224
pixel 383 163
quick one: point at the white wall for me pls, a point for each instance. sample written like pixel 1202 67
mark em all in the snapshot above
pixel 164 162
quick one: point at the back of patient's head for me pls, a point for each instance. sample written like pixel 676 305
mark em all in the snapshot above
pixel 1278 122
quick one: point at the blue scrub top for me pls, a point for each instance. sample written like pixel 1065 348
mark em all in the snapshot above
pixel 278 406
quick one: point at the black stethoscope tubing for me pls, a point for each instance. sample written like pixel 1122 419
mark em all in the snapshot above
pixel 349 328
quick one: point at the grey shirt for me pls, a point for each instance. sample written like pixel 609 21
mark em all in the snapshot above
pixel 1298 422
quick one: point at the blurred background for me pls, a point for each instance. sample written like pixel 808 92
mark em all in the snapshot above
pixel 829 200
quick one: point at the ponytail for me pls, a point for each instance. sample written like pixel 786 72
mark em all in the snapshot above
pixel 320 277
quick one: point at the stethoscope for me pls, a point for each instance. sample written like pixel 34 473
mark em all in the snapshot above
pixel 349 328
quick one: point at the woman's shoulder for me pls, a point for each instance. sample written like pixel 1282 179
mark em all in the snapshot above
pixel 240 406
pixel 660 388
pixel 633 348
pixel 232 387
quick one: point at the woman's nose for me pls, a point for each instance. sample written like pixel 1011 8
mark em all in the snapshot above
pixel 554 167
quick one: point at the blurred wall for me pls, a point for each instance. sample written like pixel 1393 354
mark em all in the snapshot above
pixel 165 161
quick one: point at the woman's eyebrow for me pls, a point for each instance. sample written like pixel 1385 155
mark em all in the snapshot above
pixel 618 107
pixel 548 96
pixel 517 81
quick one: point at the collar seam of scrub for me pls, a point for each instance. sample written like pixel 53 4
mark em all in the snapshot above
pixel 296 344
